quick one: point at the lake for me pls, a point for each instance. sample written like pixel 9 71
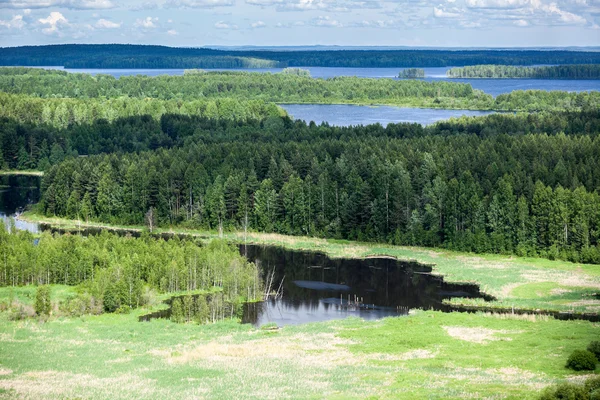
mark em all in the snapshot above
pixel 16 193
pixel 491 86
pixel 346 115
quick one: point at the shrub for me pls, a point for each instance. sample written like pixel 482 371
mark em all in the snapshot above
pixel 566 391
pixel 595 395
pixel 594 347
pixel 42 303
pixel 582 360
pixel 592 385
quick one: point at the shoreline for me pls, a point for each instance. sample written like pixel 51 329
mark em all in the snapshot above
pixel 522 284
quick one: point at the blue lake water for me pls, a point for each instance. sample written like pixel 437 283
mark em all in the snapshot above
pixel 346 115
pixel 491 86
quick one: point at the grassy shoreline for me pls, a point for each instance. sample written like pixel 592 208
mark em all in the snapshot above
pixel 523 283
pixel 23 173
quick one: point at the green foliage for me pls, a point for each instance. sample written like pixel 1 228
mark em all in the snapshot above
pixel 594 347
pixel 495 184
pixel 544 72
pixel 296 71
pixel 43 305
pixel 592 385
pixel 411 73
pixel 177 312
pixel 202 310
pixel 589 390
pixel 582 360
pixel 564 391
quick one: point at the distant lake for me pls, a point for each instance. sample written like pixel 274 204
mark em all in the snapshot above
pixel 491 86
pixel 346 115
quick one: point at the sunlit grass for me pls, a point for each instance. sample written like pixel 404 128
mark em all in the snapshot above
pixel 114 356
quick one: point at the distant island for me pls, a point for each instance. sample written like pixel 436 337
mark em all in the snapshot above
pixel 412 73
pixel 588 71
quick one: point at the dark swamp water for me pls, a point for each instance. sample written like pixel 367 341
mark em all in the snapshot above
pixel 313 287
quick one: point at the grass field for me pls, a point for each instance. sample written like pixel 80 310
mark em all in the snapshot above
pixel 426 355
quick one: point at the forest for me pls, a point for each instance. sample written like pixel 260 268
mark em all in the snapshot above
pixel 139 56
pixel 412 73
pixel 286 88
pixel 545 72
pixel 115 273
pixel 493 184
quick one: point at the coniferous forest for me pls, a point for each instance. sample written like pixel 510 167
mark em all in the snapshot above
pixel 136 56
pixel 507 183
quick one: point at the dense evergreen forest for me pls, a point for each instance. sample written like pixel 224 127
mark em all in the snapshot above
pixel 139 56
pixel 509 71
pixel 118 273
pixel 208 150
pixel 286 88
pixel 489 184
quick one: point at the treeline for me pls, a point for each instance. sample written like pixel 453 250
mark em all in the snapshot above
pixel 34 144
pixel 140 56
pixel 115 271
pixel 281 87
pixel 64 112
pixel 411 73
pixel 287 88
pixel 509 71
pixel 469 188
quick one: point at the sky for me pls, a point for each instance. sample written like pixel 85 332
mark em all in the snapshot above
pixel 438 23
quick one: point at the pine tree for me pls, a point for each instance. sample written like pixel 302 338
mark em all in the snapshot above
pixel 177 310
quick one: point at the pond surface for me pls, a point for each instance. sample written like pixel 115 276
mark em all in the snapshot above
pixel 16 193
pixel 491 86
pixel 346 115
pixel 312 287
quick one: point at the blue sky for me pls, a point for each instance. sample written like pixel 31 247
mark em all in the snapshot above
pixel 302 22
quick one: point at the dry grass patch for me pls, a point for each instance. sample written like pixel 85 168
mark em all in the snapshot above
pixel 57 384
pixel 477 335
pixel 319 350
pixel 5 371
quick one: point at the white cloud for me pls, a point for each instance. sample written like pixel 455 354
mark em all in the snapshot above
pixel 73 4
pixel 565 16
pixel 440 12
pixel 224 25
pixel 198 3
pixel 258 24
pixel 496 3
pixel 521 23
pixel 106 24
pixel 383 24
pixel 172 32
pixel 15 23
pixel 145 6
pixel 326 22
pixel 319 5
pixel 147 23
pixel 53 21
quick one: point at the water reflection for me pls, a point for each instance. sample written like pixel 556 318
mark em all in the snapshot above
pixel 309 287
pixel 16 193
